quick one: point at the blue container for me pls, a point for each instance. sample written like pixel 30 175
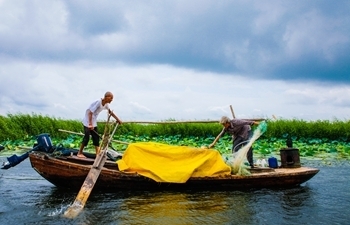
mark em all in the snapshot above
pixel 273 162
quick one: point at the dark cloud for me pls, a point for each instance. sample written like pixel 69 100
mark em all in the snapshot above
pixel 316 69
pixel 95 18
pixel 263 39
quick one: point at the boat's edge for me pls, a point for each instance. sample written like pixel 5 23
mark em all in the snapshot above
pixel 59 171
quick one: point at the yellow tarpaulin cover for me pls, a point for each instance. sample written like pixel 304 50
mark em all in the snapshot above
pixel 168 163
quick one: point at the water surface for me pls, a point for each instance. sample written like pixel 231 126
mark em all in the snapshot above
pixel 26 198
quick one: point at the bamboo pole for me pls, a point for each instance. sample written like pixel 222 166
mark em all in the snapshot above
pixel 90 180
pixel 233 114
pixel 179 122
pixel 24 147
pixel 172 122
pixel 81 134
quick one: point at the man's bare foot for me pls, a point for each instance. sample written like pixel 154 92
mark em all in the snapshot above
pixel 81 156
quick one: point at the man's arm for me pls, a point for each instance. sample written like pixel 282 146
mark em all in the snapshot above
pixel 90 125
pixel 114 116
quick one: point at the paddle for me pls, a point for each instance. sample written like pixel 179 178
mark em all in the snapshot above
pixel 91 178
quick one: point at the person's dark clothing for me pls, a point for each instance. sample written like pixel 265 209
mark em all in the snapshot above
pixel 94 136
pixel 239 142
pixel 241 132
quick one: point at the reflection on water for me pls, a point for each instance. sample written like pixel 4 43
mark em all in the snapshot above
pixel 26 198
pixel 251 207
pixel 182 208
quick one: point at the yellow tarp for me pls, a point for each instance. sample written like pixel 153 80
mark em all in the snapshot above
pixel 168 163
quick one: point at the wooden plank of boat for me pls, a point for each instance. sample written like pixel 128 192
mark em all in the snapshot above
pixel 86 161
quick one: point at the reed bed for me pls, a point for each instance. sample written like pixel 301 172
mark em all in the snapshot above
pixel 313 137
pixel 24 126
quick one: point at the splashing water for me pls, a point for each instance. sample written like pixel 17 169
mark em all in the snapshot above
pixel 56 212
pixel 237 164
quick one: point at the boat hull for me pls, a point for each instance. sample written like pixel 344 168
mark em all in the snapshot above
pixel 70 172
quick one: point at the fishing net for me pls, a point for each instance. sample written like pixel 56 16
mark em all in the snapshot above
pixel 237 162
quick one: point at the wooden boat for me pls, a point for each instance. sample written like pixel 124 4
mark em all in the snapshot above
pixel 71 171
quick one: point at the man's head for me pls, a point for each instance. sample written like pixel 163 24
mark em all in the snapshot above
pixel 224 121
pixel 108 97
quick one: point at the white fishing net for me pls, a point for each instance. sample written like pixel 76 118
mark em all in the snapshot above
pixel 238 158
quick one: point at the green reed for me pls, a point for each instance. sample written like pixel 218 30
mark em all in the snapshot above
pixel 332 130
pixel 314 138
pixel 26 126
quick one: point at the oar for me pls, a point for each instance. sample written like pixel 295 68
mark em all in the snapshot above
pixel 90 179
pixel 81 134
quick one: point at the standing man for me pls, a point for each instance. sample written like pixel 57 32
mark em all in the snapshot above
pixel 90 122
pixel 241 132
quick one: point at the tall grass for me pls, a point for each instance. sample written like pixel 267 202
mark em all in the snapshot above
pixel 332 130
pixel 25 126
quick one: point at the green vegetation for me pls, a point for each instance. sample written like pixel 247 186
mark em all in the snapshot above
pixel 322 139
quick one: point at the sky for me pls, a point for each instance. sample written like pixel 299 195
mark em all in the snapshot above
pixel 182 60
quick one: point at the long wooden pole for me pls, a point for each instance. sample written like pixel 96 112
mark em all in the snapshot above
pixel 91 178
pixel 233 114
pixel 179 122
pixel 173 122
pixel 81 134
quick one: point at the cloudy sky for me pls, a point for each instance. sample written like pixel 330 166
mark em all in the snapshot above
pixel 183 60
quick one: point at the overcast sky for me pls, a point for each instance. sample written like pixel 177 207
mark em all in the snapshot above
pixel 183 60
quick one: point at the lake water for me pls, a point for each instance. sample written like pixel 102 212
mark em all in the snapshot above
pixel 26 198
